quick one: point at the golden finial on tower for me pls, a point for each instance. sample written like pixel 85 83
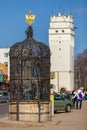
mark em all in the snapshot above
pixel 30 18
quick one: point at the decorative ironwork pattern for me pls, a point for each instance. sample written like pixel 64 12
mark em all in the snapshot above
pixel 30 70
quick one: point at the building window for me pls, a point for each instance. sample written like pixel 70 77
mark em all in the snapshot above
pixel 5 54
pixel 6 64
pixel 52 75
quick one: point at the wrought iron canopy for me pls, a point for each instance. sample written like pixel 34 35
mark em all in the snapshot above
pixel 30 69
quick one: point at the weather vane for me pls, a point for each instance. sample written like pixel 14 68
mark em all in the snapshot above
pixel 30 18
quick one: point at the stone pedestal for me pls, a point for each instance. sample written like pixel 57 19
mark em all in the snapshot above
pixel 30 111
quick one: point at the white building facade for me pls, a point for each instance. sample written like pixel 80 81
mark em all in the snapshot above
pixel 61 42
pixel 4 58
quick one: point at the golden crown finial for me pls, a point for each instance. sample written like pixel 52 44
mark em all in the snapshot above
pixel 30 18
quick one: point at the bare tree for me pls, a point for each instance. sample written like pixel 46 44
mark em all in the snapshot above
pixel 81 69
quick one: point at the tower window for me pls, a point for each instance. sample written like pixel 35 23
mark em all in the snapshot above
pixel 6 64
pixel 63 31
pixel 56 31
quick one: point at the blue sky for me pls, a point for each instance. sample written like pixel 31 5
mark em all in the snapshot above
pixel 13 23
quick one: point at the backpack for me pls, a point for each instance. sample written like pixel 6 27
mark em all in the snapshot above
pixel 80 95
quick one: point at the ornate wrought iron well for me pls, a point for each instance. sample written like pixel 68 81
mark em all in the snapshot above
pixel 29 75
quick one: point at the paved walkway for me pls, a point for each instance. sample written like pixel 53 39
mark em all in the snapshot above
pixel 75 120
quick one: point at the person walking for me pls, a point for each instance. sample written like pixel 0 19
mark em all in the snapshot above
pixel 79 95
pixel 85 97
pixel 75 98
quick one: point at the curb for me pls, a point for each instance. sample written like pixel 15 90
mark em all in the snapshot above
pixel 5 122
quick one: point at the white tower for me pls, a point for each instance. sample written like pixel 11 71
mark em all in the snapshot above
pixel 61 41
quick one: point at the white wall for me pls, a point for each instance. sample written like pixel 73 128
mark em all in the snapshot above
pixel 4 59
pixel 61 42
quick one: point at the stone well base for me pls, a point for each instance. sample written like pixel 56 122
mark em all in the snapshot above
pixel 29 111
